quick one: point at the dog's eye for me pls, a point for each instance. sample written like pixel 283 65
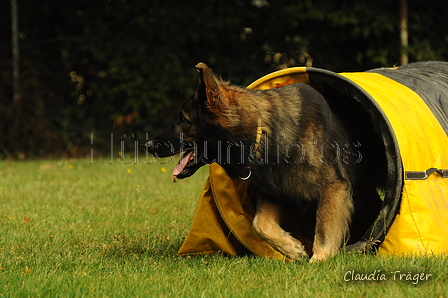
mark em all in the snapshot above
pixel 183 120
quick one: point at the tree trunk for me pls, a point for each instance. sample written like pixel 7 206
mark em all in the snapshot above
pixel 404 32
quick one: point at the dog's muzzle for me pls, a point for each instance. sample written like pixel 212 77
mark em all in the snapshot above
pixel 149 146
pixel 160 149
pixel 155 148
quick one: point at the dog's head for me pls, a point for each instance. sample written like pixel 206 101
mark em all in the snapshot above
pixel 205 126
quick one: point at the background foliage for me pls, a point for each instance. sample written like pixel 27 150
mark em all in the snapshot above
pixel 123 67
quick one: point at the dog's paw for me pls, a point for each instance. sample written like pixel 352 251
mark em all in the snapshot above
pixel 317 258
pixel 295 251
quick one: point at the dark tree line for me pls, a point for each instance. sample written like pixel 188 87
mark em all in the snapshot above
pixel 124 67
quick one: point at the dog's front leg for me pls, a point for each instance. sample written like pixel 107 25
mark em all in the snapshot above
pixel 267 226
pixel 332 220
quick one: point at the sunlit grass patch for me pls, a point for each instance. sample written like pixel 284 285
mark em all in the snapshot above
pixel 74 229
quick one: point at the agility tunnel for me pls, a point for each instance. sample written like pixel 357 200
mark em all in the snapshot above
pixel 402 114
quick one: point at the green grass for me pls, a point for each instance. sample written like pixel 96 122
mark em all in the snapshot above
pixel 74 229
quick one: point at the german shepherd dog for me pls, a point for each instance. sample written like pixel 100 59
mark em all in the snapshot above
pixel 286 141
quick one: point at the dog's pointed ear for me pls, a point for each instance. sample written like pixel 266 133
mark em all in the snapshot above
pixel 207 81
pixel 215 99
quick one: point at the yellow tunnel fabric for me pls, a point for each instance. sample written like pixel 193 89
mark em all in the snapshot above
pixel 223 219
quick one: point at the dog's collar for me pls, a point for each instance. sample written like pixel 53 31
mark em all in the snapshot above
pixel 258 138
pixel 248 175
pixel 255 150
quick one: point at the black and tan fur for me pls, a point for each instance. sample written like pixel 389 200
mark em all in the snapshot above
pixel 286 141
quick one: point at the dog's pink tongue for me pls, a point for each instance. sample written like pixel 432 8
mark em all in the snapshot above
pixel 181 164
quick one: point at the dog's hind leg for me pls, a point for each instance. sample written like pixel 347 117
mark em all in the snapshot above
pixel 332 220
pixel 267 226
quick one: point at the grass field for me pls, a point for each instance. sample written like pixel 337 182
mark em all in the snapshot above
pixel 74 229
